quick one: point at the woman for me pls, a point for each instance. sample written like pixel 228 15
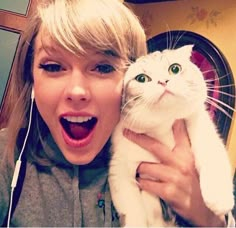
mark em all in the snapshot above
pixel 71 62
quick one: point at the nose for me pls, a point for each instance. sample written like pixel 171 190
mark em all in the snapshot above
pixel 162 82
pixel 77 88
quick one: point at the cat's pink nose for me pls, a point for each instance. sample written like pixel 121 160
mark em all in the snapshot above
pixel 163 83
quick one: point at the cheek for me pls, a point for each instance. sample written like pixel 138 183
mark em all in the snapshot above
pixel 114 95
pixel 110 100
pixel 47 96
pixel 47 90
pixel 45 106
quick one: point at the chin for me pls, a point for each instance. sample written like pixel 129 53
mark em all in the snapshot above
pixel 80 159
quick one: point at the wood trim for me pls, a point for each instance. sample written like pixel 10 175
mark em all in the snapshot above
pixel 14 21
pixel 11 21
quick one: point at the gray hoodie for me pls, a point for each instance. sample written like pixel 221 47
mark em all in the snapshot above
pixel 61 195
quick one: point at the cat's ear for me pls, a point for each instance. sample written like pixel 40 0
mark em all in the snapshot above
pixel 187 50
pixel 156 53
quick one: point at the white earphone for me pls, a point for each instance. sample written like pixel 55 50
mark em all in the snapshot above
pixel 32 94
pixel 18 162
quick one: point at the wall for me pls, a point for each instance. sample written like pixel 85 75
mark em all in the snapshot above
pixel 213 19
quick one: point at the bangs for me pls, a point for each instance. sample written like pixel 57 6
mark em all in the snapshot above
pixel 78 26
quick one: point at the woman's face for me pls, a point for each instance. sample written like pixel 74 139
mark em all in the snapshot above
pixel 78 98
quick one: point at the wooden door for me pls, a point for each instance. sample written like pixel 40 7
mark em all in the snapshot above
pixel 13 19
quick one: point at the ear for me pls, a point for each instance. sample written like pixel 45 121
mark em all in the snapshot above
pixel 186 50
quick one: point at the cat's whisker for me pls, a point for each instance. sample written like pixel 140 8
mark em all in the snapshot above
pixel 177 40
pixel 210 102
pixel 221 102
pixel 168 40
pixel 127 114
pixel 131 109
pixel 217 78
pixel 130 100
pixel 221 92
pixel 209 71
pixel 171 42
pixel 220 86
pixel 215 101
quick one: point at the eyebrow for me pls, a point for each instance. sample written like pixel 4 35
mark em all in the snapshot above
pixel 46 48
pixel 110 53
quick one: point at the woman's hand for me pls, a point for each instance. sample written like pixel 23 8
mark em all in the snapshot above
pixel 178 182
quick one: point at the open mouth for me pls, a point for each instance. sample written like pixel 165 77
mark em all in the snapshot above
pixel 78 127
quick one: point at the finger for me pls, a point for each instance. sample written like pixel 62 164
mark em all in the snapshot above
pixel 180 157
pixel 159 172
pixel 159 150
pixel 181 134
pixel 166 191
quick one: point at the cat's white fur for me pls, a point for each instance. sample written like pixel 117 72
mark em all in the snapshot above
pixel 157 105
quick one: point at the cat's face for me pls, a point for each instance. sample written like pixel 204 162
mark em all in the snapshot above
pixel 161 86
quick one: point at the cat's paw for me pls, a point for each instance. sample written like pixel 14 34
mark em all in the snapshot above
pixel 220 206
pixel 219 199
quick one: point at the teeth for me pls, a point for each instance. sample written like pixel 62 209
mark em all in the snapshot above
pixel 77 119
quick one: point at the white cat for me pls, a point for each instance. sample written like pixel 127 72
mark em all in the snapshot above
pixel 158 89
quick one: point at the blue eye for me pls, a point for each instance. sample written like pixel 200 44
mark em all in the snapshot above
pixel 104 68
pixel 51 67
pixel 143 78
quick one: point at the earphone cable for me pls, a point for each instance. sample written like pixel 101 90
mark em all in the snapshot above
pixel 18 162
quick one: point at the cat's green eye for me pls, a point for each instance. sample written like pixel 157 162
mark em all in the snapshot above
pixel 143 78
pixel 175 68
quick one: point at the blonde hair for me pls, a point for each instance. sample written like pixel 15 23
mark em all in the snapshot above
pixel 100 25
pixel 75 25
